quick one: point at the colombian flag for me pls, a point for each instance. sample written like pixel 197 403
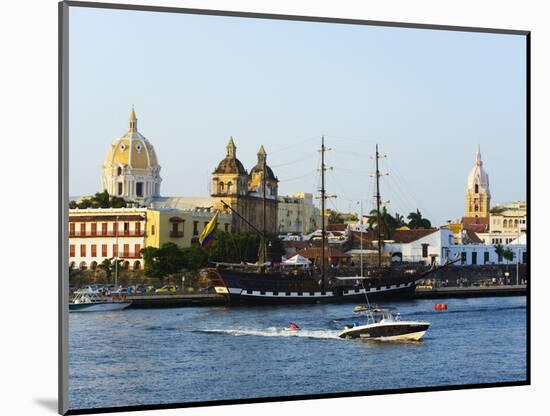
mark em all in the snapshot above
pixel 207 235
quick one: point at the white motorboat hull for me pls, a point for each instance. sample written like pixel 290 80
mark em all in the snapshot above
pixel 388 331
pixel 98 306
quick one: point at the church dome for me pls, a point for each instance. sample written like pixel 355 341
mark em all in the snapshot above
pixel 478 176
pixel 131 168
pixel 231 164
pixel 259 168
pixel 132 150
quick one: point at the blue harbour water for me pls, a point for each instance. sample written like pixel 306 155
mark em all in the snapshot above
pixel 140 357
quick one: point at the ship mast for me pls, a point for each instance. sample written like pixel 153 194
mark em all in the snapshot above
pixel 264 210
pixel 323 197
pixel 379 222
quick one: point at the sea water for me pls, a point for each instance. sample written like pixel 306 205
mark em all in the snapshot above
pixel 139 357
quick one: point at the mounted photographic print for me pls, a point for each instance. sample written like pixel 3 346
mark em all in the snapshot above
pixel 264 207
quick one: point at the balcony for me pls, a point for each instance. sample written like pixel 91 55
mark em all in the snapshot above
pixel 121 233
pixel 176 234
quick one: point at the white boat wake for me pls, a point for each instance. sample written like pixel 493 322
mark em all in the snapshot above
pixel 276 332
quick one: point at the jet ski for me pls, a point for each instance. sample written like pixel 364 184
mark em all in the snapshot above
pixel 293 328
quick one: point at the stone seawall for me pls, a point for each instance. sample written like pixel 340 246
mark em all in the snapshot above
pixel 481 272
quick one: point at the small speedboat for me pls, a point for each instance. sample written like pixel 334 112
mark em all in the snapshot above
pixel 93 301
pixel 383 325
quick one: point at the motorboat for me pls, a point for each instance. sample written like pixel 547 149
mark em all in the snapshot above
pixel 383 325
pixel 94 301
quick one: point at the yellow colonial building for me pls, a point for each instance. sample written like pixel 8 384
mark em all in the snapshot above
pixel 181 227
pixel 96 234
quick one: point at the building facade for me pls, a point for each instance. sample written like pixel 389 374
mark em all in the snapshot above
pixel 296 213
pixel 131 169
pixel 181 227
pixel 244 192
pixel 507 222
pixel 96 234
pixel 99 234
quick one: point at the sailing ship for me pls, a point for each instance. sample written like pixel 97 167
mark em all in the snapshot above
pixel 263 283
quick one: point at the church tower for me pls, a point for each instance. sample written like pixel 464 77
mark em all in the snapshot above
pixel 229 184
pixel 478 196
pixel 131 169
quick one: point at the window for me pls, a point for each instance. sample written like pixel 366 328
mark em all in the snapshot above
pixel 115 228
pixel 476 188
pixel 82 229
pixel 126 228
pixel 152 230
pixel 72 228
pixel 137 227
pixel 221 188
pixel 126 250
pixel 424 250
pixel 120 188
pixel 93 249
pixel 195 228
pixel 229 185
pixel 119 172
pixel 104 250
pixel 104 229
pixel 463 257
pixel 137 249
pixel 139 188
pixel 82 250
pixel 71 250
pixel 486 257
pixel 94 228
pixel 524 257
pixel 115 250
pixel 474 257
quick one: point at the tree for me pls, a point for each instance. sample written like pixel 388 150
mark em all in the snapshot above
pixel 335 217
pixel 108 266
pixel 160 262
pixel 99 200
pixel 508 254
pixel 388 222
pixel 399 220
pixel 417 221
pixel 499 250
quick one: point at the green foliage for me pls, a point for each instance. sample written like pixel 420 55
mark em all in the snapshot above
pixel 499 250
pixel 497 210
pixel 417 221
pixel 243 247
pixel 108 266
pixel 387 222
pixel 508 254
pixel 335 217
pixel 170 259
pixel 99 200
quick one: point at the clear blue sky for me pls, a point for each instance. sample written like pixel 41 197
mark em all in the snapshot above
pixel 427 97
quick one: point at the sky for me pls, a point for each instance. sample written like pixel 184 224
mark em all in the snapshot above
pixel 426 97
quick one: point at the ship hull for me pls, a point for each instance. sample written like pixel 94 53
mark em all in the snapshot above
pixel 250 289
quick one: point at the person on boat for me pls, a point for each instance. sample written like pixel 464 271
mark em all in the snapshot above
pixel 294 327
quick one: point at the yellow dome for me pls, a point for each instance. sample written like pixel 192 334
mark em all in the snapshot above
pixel 131 169
pixel 131 150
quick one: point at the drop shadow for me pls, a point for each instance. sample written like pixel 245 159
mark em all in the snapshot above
pixel 47 403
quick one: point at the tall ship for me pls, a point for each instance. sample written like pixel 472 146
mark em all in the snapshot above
pixel 266 283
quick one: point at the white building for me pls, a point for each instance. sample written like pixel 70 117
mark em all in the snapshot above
pixel 296 213
pixel 99 234
pixel 437 247
pixel 507 222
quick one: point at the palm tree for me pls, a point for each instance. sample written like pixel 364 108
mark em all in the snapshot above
pixel 499 250
pixel 416 220
pixel 388 223
pixel 399 220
